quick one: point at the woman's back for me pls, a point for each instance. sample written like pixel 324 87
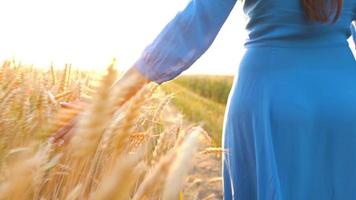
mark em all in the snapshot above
pixel 284 23
pixel 291 118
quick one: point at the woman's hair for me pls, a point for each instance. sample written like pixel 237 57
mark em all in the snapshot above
pixel 322 10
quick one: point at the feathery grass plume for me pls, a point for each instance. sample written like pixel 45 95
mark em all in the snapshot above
pixel 89 91
pixel 75 193
pixel 117 184
pixel 2 70
pixel 25 118
pixel 76 91
pixel 9 119
pixel 51 98
pixel 155 177
pixel 69 73
pixel 93 121
pixel 63 82
pixel 5 69
pixel 7 89
pixel 114 63
pixel 62 95
pixel 6 120
pixel 136 123
pixel 23 178
pixel 213 150
pixel 18 105
pixel 161 107
pixel 124 91
pixel 112 126
pixel 162 145
pixel 123 130
pixel 118 132
pixel 53 75
pixel 41 113
pixel 20 79
pixel 215 180
pixel 180 167
pixel 210 197
pixel 5 103
pixel 137 139
pixel 181 134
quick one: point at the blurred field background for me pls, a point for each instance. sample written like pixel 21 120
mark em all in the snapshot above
pixel 163 143
pixel 202 98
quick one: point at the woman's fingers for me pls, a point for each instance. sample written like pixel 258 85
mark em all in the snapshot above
pixel 72 105
pixel 65 121
pixel 66 104
pixel 61 135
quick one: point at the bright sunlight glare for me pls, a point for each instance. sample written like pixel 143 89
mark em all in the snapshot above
pixel 89 33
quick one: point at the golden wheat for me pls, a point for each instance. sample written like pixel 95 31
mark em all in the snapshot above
pixel 122 145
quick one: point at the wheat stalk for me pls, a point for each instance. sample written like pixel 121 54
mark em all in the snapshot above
pixel 118 184
pixel 180 168
pixel 124 129
pixel 26 175
pixel 94 120
pixel 155 177
pixel 75 193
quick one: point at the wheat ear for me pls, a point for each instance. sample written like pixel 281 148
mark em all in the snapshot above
pixel 181 166
pixel 93 121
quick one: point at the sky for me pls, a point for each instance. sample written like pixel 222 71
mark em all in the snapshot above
pixel 89 33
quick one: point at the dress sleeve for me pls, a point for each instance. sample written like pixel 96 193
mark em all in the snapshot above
pixel 184 39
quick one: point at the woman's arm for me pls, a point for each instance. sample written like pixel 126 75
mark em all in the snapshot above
pixel 132 81
pixel 183 40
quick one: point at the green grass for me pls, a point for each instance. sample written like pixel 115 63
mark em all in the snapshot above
pixel 213 87
pixel 198 109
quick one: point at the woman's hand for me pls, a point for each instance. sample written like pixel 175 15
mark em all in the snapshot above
pixel 132 81
pixel 67 117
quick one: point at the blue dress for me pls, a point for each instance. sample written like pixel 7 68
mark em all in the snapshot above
pixel 290 122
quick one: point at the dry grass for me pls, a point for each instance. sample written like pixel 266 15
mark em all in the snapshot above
pixel 121 149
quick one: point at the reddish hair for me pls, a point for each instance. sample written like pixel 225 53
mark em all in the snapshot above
pixel 321 10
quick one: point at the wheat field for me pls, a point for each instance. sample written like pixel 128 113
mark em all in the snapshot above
pixel 117 149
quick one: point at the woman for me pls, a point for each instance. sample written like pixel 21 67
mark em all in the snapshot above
pixel 290 123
